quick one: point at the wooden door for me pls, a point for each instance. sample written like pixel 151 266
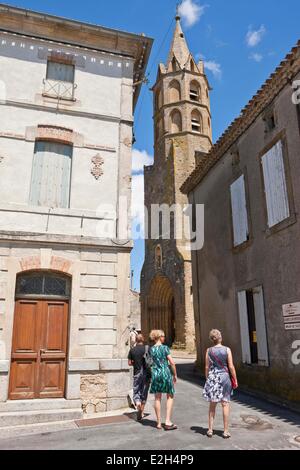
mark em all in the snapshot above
pixel 39 349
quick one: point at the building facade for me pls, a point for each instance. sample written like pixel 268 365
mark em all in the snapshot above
pixel 182 130
pixel 67 94
pixel 246 278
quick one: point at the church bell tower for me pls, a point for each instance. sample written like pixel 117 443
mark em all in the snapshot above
pixel 182 135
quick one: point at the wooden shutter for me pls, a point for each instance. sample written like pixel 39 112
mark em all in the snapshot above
pixel 239 211
pixel 244 326
pixel 60 72
pixel 261 330
pixel 51 174
pixel 275 185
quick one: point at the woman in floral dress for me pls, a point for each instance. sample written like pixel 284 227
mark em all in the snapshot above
pixel 163 379
pixel 218 388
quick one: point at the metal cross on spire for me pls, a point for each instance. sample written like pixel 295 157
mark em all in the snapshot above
pixel 177 10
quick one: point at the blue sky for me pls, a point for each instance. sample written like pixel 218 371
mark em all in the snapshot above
pixel 241 41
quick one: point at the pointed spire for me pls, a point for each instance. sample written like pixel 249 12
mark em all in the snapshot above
pixel 179 48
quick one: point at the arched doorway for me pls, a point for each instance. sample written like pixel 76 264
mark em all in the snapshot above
pixel 161 308
pixel 40 336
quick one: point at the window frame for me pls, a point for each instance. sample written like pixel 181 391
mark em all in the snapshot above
pixel 60 62
pixel 258 294
pixel 242 246
pixel 292 219
pixel 54 142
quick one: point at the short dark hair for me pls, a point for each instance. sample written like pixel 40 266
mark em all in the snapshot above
pixel 140 338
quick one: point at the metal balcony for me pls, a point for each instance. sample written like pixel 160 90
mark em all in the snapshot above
pixel 59 90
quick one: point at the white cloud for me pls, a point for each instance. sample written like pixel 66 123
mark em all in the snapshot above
pixel 254 37
pixel 256 57
pixel 191 12
pixel 213 67
pixel 140 158
pixel 137 206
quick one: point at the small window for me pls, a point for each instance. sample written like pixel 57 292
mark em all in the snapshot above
pixel 196 121
pixel 275 185
pixel 270 123
pixel 59 82
pixel 51 175
pixel 195 91
pixel 174 65
pixel 158 257
pixel 239 211
pixel 60 72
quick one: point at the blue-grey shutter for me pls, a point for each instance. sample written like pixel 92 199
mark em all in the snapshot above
pixel 275 185
pixel 239 211
pixel 261 330
pixel 244 327
pixel 51 174
pixel 60 72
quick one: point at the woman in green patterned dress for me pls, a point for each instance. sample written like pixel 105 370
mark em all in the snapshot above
pixel 163 379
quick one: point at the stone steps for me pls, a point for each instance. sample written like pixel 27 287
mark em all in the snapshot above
pixel 38 405
pixel 28 412
pixel 9 432
pixel 17 418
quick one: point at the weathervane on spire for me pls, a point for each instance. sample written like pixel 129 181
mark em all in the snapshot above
pixel 177 17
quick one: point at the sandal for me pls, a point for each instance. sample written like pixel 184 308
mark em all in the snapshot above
pixel 210 434
pixel 170 427
pixel 226 435
pixel 159 427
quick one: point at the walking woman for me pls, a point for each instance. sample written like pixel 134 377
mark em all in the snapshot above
pixel 164 376
pixel 220 381
pixel 141 378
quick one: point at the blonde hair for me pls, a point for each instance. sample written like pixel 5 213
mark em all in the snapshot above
pixel 155 335
pixel 215 336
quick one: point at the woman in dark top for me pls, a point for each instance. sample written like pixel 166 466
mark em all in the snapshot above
pixel 141 378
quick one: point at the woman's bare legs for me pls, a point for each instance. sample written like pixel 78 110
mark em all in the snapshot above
pixel 157 407
pixel 170 403
pixel 226 412
pixel 211 416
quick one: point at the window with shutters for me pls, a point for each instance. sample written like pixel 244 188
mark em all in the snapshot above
pixel 239 212
pixel 196 119
pixel 59 82
pixel 51 175
pixel 276 193
pixel 254 342
pixel 195 91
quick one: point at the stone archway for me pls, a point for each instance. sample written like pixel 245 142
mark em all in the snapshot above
pixel 161 307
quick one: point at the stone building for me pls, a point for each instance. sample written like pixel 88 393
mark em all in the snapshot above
pixel 246 278
pixel 135 310
pixel 182 131
pixel 68 92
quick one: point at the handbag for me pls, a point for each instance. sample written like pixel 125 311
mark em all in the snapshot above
pixel 148 360
pixel 232 379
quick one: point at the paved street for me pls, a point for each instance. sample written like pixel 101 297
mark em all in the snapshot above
pixel 255 425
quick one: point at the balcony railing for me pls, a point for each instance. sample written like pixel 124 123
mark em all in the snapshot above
pixel 59 90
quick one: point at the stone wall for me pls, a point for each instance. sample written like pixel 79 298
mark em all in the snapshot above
pixel 268 259
pixel 97 317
